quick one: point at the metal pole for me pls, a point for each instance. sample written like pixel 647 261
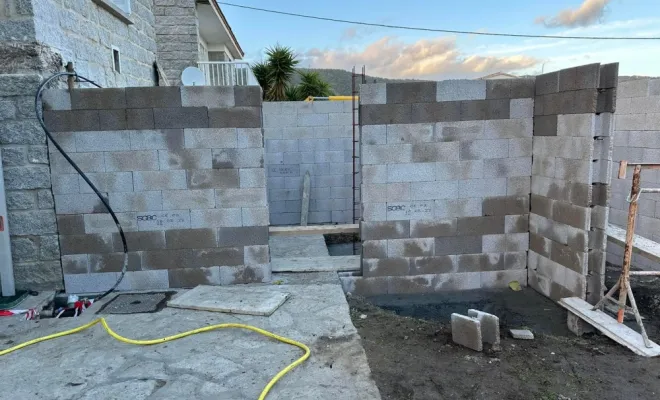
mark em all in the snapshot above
pixel 6 266
pixel 630 232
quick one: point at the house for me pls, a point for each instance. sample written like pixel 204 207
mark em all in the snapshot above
pixel 116 43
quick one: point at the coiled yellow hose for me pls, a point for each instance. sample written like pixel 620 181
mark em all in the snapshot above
pixel 112 333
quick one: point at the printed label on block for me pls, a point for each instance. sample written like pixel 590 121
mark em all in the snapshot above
pixel 284 170
pixel 410 210
pixel 161 220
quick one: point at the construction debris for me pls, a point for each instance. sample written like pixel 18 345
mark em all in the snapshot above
pixel 522 334
pixel 474 330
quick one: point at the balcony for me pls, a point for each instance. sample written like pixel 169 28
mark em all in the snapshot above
pixel 227 73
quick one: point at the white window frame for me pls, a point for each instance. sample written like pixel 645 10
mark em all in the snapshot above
pixel 112 57
pixel 124 5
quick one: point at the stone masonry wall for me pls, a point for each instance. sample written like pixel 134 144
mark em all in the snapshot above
pixel 573 113
pixel 177 34
pixel 315 137
pixel 446 179
pixel 182 167
pixel 84 32
pixel 637 138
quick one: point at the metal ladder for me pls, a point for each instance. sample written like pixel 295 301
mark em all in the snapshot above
pixel 356 79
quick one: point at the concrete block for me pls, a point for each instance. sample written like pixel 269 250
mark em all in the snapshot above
pixel 433 191
pixel 84 244
pixel 387 154
pixel 374 211
pixel 242 236
pixel 320 217
pixel 212 179
pixel 576 125
pixel 102 141
pixel 98 99
pixel 482 187
pixel 654 87
pixel 153 97
pixel 163 139
pixel 373 93
pixel 283 170
pixel 521 108
pixel 316 120
pixel 236 117
pixel 508 128
pixel 492 243
pixel 490 327
pixel 70 224
pixel 89 283
pixel 65 184
pixel 210 138
pixel 373 134
pixel 409 133
pixel 273 133
pixel 112 120
pixel 214 218
pixel 182 117
pixel 473 110
pixel 87 162
pixel 334 131
pixel 108 182
pixel 507 167
pixel 498 89
pixel 433 265
pixel 483 149
pixel 459 130
pixel 159 180
pixel 606 100
pixel 609 75
pixel 449 245
pixel 633 88
pixel 435 112
pixel 480 225
pixel 411 92
pixel 497 109
pixel 378 114
pixel 522 87
pixel 252 177
pixel 188 199
pixel 329 156
pixel 520 147
pixel 385 267
pixel 255 216
pixel 183 159
pixel 238 158
pixel 377 230
pixel 77 204
pixel 281 146
pixel 342 119
pixel 547 83
pixel 207 96
pixel 374 174
pixel 451 208
pixel 396 192
pixel 420 247
pixel 143 201
pixel 140 118
pixel 461 89
pixel 249 137
pixel 545 125
pixel 411 172
pixel 280 120
pixel 432 152
pixel 56 99
pixel 234 198
pixel 518 185
pixel 103 223
pixel 466 331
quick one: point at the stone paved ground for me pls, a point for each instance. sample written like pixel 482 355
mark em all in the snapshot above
pixel 227 364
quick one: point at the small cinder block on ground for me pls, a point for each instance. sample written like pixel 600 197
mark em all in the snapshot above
pixel 577 325
pixel 466 331
pixel 523 334
pixel 490 327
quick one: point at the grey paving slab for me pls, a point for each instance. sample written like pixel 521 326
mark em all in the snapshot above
pixel 228 363
pixel 297 246
pixel 231 299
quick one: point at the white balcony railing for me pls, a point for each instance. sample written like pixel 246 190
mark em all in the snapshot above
pixel 227 73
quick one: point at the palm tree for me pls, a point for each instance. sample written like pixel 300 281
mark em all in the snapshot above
pixel 281 67
pixel 293 93
pixel 260 71
pixel 312 84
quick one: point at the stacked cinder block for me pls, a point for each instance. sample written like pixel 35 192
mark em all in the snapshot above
pixel 315 137
pixel 637 139
pixel 182 168
pixel 445 181
pixel 573 113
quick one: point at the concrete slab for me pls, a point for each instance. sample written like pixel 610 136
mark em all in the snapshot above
pixel 227 364
pixel 297 246
pixel 316 264
pixel 466 331
pixel 490 327
pixel 256 300
pixel 641 245
pixel 523 334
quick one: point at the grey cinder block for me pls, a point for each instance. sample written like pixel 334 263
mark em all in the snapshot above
pixel 112 120
pixel 508 128
pixel 547 83
pixel 419 247
pixel 254 216
pixel 373 93
pixel 521 108
pixel 377 230
pixel 98 99
pixel 411 92
pixel 162 139
pixel 431 152
pixel 507 167
pixel 140 118
pixel 449 245
pixel 461 89
pixel 77 204
pixel 433 190
pixel 211 138
pixel 451 208
pixel 406 133
pixel 484 149
pixel 466 331
pixel 56 99
pixel 233 198
pixel 183 159
pixel 187 199
pixel 378 114
pixel 153 97
pixel 159 180
pixel 142 201
pixel 181 117
pixel 385 266
pixel 108 182
pixel 215 218
pixel 242 236
pixel 103 141
pixel 131 161
pixel 88 243
pixel 207 96
pixel 490 327
pixel 609 75
pixel 498 109
pixel 236 117
pixel 480 225
pixel 238 158
pixel 498 88
pixel 436 112
pixel 212 178
pixel 249 137
pixel 387 154
pixel 411 172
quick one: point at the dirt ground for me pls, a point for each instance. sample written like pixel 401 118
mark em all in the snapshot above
pixel 408 344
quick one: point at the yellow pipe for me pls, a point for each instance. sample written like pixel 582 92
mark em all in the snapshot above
pixel 333 98
pixel 264 392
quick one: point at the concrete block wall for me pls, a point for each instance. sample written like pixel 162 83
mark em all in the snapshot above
pixel 446 172
pixel 182 168
pixel 315 137
pixel 572 148
pixel 636 138
pixel 176 34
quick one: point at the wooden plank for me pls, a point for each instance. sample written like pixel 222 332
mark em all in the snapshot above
pixel 304 211
pixel 620 333
pixel 641 245
pixel 316 264
pixel 314 229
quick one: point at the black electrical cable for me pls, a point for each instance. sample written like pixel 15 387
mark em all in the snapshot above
pixel 40 118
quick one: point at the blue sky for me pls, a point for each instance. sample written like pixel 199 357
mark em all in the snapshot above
pixel 412 54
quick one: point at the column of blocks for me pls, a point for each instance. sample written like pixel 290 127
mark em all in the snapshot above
pixel 572 162
pixel 314 137
pixel 446 172
pixel 184 170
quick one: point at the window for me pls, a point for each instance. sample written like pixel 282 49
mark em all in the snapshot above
pixel 124 5
pixel 116 60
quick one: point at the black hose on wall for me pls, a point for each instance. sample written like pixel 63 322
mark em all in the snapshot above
pixel 40 118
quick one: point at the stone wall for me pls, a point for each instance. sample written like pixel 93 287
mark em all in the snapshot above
pixel 637 138
pixel 315 137
pixel 573 113
pixel 183 170
pixel 84 32
pixel 446 180
pixel 176 28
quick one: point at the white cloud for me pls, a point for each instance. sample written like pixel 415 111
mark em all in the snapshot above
pixel 589 13
pixel 426 58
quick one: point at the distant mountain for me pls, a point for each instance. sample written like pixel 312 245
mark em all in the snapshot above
pixel 340 80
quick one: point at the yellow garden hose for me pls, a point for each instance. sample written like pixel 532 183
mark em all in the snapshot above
pixel 264 392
